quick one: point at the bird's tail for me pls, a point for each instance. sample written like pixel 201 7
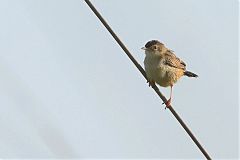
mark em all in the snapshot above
pixel 190 74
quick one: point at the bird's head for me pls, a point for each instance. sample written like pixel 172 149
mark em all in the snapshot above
pixel 154 47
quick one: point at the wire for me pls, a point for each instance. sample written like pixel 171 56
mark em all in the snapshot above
pixel 204 152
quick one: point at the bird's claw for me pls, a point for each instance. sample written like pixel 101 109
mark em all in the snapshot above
pixel 150 83
pixel 168 103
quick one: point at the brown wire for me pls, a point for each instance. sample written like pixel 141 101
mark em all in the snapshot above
pixel 204 152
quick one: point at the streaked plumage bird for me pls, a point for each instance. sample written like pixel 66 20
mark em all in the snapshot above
pixel 163 66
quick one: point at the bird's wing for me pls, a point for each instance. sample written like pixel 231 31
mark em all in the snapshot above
pixel 172 60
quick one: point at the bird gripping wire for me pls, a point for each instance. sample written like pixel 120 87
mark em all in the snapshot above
pixel 204 152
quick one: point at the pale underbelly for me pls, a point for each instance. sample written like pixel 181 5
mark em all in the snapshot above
pixel 164 76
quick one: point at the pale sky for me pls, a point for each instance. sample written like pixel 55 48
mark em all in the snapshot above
pixel 67 90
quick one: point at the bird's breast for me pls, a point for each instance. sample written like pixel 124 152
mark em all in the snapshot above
pixel 162 74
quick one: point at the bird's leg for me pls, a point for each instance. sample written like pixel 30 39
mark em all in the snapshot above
pixel 150 82
pixel 168 103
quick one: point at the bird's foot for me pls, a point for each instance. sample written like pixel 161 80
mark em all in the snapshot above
pixel 168 103
pixel 150 82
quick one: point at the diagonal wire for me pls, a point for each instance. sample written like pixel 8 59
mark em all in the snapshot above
pixel 204 152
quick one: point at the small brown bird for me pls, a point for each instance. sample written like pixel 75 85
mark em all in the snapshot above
pixel 163 66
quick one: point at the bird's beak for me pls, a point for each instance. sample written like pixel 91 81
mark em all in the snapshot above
pixel 144 48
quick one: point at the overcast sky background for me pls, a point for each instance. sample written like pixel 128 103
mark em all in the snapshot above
pixel 67 90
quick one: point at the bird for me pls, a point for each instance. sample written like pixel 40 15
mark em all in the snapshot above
pixel 163 67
